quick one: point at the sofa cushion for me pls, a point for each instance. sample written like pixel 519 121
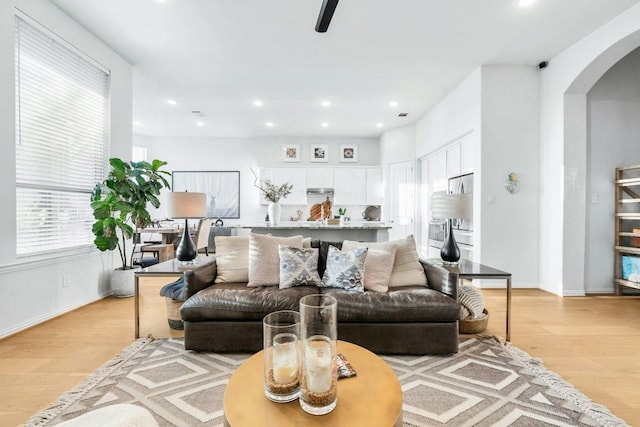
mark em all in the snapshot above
pixel 298 267
pixel 232 257
pixel 378 265
pixel 407 270
pixel 235 301
pixel 406 304
pixel 323 247
pixel 345 270
pixel 264 261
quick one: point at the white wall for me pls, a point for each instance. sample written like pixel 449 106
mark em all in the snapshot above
pixel 510 143
pixel 613 108
pixel 563 135
pixel 211 154
pixel 396 146
pixel 31 290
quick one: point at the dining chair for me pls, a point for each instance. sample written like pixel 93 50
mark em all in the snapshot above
pixel 201 239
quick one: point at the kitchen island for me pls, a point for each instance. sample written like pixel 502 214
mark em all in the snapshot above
pixel 361 231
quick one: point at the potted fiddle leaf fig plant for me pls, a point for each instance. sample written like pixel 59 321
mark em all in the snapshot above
pixel 120 203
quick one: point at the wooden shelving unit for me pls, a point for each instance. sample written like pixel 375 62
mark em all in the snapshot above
pixel 627 222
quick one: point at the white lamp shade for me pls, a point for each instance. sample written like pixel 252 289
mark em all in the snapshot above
pixel 187 205
pixel 446 206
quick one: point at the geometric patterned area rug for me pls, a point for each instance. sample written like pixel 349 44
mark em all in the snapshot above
pixel 487 383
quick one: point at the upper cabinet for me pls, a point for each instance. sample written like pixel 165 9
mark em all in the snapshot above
pixel 320 177
pixel 375 191
pixel 294 176
pixel 350 185
pixel 466 155
pixel 437 171
pixel 454 155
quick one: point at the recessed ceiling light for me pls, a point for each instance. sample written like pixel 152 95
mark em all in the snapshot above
pixel 326 104
pixel 325 124
pixel 525 3
pixel 393 104
pixel 269 124
pixel 172 102
pixel 258 103
pixel 201 124
pixel 379 125
pixel 137 123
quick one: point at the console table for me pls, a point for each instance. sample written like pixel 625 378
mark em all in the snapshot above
pixel 170 268
pixel 472 270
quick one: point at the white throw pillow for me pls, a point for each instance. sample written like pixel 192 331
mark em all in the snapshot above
pixel 407 269
pixel 378 265
pixel 264 260
pixel 232 257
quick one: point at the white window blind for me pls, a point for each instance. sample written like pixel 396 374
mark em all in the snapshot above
pixel 62 125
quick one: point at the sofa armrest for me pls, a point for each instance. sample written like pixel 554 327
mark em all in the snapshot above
pixel 441 279
pixel 200 278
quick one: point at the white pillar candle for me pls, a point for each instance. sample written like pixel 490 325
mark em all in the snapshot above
pixel 285 358
pixel 318 366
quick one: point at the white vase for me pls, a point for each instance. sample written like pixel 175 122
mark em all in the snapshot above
pixel 122 283
pixel 274 212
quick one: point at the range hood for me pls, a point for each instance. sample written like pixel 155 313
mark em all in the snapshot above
pixel 316 191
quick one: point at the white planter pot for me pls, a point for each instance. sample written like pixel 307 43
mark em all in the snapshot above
pixel 122 283
pixel 274 212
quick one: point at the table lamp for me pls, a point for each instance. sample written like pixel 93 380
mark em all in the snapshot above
pixel 187 205
pixel 448 207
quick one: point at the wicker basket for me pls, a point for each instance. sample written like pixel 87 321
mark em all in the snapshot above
pixel 474 326
pixel 173 313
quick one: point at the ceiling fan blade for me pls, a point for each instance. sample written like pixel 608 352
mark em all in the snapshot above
pixel 326 13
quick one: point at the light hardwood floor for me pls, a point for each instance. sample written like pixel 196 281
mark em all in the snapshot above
pixel 592 342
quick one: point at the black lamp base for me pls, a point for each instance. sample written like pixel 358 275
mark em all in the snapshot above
pixel 450 252
pixel 186 251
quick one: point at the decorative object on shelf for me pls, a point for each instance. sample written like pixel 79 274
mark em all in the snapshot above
pixel 221 187
pixel 188 206
pixel 511 184
pixel 371 213
pixel 119 204
pixel 319 153
pixel 321 211
pixel 449 207
pixel 319 381
pixel 349 153
pixel 342 212
pixel 291 153
pixel 272 193
pixel 281 343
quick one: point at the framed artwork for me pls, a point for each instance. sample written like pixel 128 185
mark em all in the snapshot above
pixel 222 189
pixel 349 153
pixel 291 153
pixel 319 153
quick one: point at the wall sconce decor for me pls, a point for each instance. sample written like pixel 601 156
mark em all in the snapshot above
pixel 512 185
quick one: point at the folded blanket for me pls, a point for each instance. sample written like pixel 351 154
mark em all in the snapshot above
pixel 471 302
pixel 174 290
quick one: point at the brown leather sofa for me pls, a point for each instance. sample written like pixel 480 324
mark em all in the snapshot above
pixel 227 317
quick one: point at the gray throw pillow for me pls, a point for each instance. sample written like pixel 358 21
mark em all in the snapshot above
pixel 345 269
pixel 298 267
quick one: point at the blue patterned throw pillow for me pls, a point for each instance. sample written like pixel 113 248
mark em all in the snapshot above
pixel 298 267
pixel 345 269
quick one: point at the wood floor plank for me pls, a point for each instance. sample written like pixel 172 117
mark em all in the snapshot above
pixel 592 342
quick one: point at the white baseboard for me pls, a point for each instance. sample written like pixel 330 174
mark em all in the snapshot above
pixel 45 317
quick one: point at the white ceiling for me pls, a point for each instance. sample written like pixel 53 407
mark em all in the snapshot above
pixel 218 56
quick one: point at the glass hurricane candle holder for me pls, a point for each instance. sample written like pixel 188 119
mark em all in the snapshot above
pixel 319 381
pixel 281 343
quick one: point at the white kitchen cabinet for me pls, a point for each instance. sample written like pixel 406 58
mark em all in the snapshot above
pixel 437 171
pixel 466 156
pixel 295 176
pixel 350 185
pixel 374 189
pixel 453 159
pixel 320 177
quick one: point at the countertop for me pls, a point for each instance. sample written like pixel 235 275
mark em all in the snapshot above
pixel 289 225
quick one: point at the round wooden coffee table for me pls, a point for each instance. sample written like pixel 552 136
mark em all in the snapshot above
pixel 372 398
